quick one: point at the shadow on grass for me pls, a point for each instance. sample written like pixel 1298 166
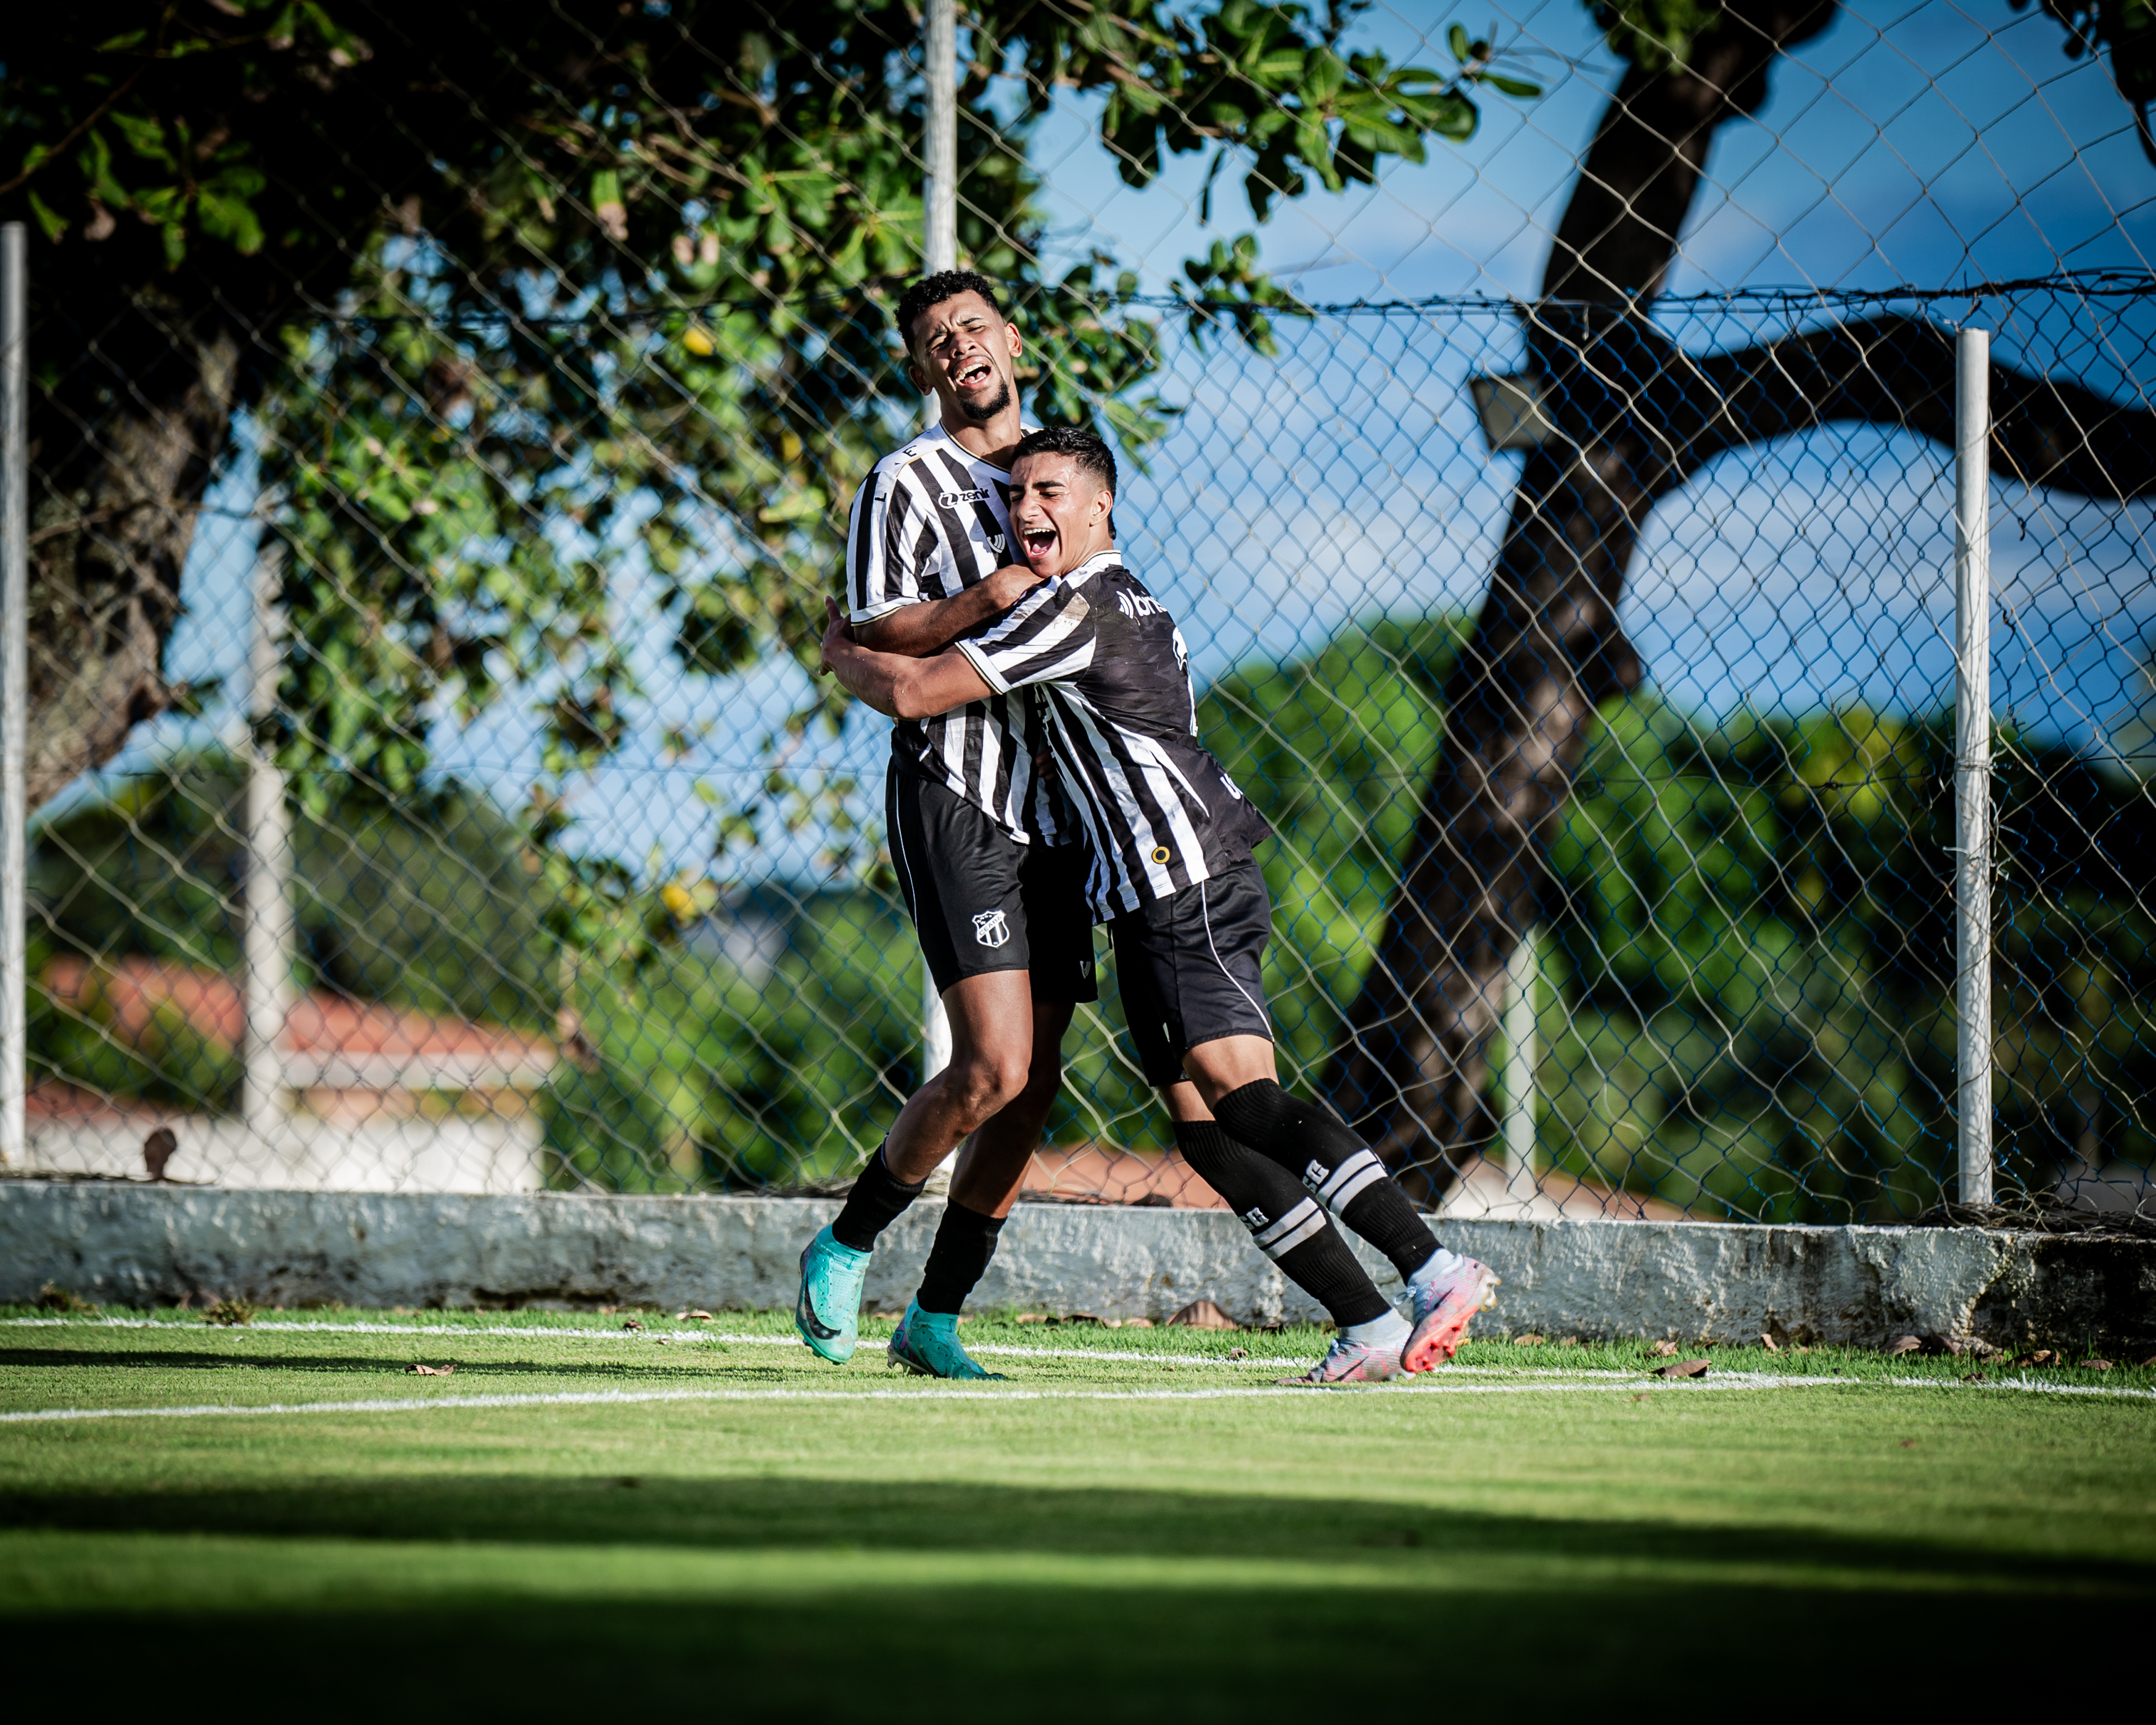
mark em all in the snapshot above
pixel 698 1366
pixel 1425 1546
pixel 1048 1653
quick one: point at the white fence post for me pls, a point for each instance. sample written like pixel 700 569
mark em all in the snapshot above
pixel 1973 1052
pixel 15 689
pixel 1523 1053
pixel 268 938
pixel 940 147
pixel 939 49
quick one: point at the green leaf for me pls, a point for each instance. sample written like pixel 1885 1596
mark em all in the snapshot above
pixel 145 135
pixel 51 221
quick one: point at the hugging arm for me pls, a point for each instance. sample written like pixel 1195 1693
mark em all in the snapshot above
pixel 895 686
pixel 919 631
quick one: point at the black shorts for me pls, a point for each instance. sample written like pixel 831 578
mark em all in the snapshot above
pixel 980 900
pixel 1187 968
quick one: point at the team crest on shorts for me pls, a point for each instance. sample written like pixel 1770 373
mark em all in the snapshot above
pixel 990 929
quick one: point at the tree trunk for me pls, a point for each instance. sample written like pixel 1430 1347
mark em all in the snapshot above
pixel 122 446
pixel 1546 648
pixel 1639 418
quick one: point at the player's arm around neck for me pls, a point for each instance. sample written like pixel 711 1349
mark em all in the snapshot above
pixel 919 631
pixel 895 686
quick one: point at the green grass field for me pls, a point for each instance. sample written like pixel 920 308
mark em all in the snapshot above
pixel 1134 1525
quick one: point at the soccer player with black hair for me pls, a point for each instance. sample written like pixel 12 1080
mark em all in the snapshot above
pixel 1169 839
pixel 989 865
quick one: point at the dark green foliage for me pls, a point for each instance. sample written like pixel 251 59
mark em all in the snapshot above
pixel 1333 749
pixel 1751 926
pixel 430 905
pixel 611 284
pixel 1750 933
pixel 718 1072
pixel 1748 946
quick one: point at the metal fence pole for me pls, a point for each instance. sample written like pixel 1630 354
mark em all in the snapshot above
pixel 14 688
pixel 939 251
pixel 1523 979
pixel 268 938
pixel 1973 761
pixel 940 151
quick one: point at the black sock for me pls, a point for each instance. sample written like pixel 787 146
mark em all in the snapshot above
pixel 964 1243
pixel 877 1200
pixel 1307 1140
pixel 1284 1221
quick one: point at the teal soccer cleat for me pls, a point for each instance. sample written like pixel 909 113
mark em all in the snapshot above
pixel 927 1344
pixel 829 1312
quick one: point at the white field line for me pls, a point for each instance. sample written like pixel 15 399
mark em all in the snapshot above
pixel 1580 1374
pixel 925 1394
pixel 1001 1350
pixel 933 1393
pixel 697 1334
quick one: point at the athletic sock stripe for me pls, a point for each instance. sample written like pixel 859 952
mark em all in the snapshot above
pixel 1338 1203
pixel 1361 1170
pixel 1315 1225
pixel 1301 1218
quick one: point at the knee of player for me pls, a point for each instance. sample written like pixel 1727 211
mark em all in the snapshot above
pixel 1011 1074
pixel 986 1082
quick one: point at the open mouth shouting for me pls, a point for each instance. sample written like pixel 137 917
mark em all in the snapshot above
pixel 1058 515
pixel 981 391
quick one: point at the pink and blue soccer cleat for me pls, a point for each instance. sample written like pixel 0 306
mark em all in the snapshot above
pixel 1347 1362
pixel 1444 1303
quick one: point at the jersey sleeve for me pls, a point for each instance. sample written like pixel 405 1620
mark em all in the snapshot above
pixel 1047 636
pixel 883 564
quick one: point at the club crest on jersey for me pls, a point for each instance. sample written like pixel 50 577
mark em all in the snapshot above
pixel 990 928
pixel 952 499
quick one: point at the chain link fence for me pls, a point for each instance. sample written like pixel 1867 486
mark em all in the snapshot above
pixel 1591 653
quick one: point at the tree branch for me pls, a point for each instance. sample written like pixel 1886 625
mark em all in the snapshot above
pixel 1636 417
pixel 1900 372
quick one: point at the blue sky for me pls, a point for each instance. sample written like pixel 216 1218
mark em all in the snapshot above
pixel 1932 144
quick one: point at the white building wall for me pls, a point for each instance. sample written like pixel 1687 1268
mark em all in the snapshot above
pixel 488 1154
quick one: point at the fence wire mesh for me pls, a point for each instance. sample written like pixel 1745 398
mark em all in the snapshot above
pixel 1590 651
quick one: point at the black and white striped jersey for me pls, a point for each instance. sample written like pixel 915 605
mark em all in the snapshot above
pixel 931 521
pixel 1160 813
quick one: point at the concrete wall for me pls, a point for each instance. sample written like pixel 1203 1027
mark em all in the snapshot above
pixel 139 1244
